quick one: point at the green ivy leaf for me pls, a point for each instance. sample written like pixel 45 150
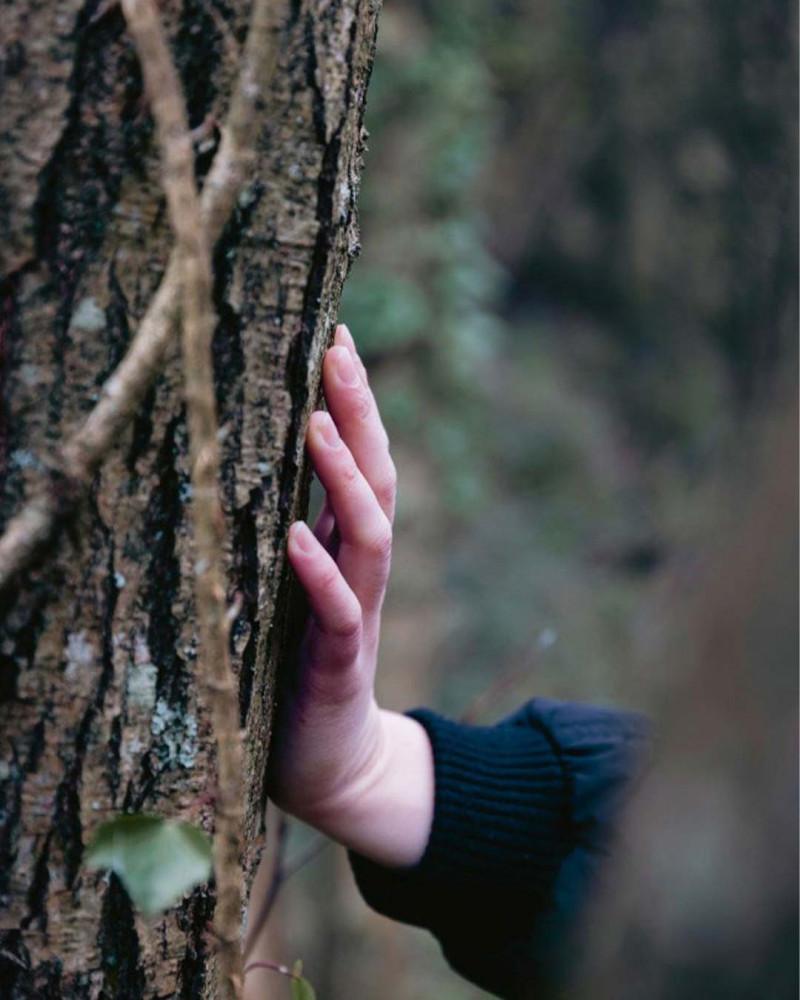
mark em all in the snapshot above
pixel 157 860
pixel 301 988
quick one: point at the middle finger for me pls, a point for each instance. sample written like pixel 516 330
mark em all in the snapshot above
pixel 364 530
pixel 353 407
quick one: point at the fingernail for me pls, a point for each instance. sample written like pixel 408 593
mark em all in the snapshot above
pixel 344 337
pixel 327 429
pixel 345 368
pixel 301 536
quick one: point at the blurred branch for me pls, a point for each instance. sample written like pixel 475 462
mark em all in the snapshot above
pixel 509 680
pixel 280 876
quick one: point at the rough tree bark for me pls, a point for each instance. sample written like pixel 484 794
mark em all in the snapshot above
pixel 99 709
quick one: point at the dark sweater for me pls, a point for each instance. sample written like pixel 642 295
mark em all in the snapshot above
pixel 524 813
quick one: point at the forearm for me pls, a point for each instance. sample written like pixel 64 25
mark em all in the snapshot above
pixel 524 815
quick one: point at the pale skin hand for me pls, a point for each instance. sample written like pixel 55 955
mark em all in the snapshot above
pixel 358 773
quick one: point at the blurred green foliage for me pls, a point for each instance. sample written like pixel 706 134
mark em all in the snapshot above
pixel 578 287
pixel 578 277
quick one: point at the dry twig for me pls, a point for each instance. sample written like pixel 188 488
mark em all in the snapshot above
pixel 194 263
pixel 83 453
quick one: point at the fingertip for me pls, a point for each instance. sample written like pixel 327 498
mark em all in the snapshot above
pixel 343 364
pixel 336 352
pixel 301 538
pixel 322 430
pixel 343 338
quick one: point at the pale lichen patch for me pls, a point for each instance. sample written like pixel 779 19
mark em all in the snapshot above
pixel 30 374
pixel 88 316
pixel 24 459
pixel 178 735
pixel 141 677
pixel 80 654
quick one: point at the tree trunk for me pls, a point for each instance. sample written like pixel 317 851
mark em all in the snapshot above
pixel 99 706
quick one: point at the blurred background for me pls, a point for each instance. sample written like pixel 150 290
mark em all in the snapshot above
pixel 576 299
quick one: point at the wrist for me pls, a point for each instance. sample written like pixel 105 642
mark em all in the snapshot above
pixel 386 812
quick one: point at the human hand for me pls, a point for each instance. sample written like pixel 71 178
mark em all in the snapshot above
pixel 360 774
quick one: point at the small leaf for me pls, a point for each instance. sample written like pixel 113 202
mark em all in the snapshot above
pixel 157 860
pixel 301 988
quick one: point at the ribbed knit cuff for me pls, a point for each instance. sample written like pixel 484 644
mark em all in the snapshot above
pixel 499 826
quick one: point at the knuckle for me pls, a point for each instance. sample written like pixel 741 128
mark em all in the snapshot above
pixel 386 489
pixel 329 581
pixel 379 545
pixel 350 471
pixel 362 403
pixel 330 587
pixel 348 629
pixel 338 637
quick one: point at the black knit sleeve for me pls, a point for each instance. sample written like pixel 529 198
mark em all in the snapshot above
pixel 523 813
